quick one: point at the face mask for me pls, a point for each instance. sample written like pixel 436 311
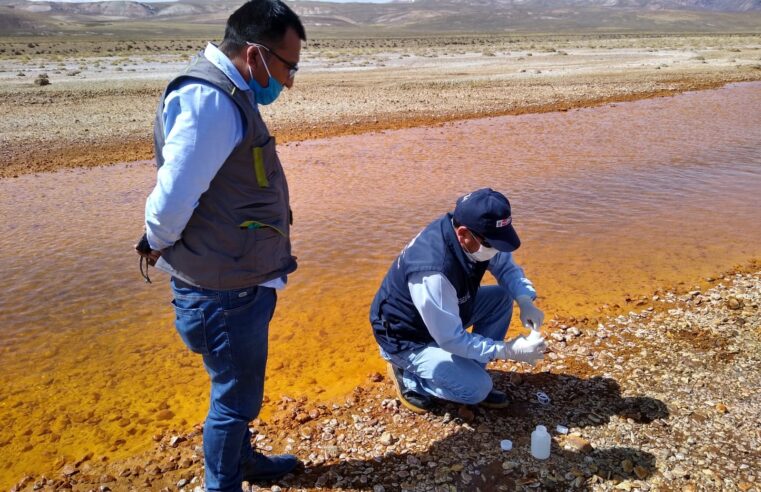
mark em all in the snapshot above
pixel 483 253
pixel 264 95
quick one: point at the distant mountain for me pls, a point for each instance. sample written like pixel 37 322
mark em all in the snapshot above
pixel 35 17
pixel 710 5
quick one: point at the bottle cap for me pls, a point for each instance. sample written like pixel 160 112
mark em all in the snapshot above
pixel 542 398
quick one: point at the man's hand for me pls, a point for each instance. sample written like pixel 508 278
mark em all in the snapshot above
pixel 531 316
pixel 528 349
pixel 144 249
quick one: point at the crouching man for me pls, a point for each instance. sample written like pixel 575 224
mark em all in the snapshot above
pixel 432 293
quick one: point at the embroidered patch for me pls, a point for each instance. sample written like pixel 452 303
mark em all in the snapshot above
pixel 504 222
pixel 463 299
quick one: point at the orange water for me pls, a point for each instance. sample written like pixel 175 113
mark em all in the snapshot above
pixel 608 201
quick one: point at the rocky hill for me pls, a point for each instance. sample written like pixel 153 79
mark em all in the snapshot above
pixel 34 17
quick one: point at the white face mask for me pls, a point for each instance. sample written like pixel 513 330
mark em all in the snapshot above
pixel 483 253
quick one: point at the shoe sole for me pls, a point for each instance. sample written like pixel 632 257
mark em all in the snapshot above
pixel 270 477
pixel 398 387
pixel 495 405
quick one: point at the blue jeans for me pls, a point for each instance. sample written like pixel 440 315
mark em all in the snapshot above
pixel 434 371
pixel 229 329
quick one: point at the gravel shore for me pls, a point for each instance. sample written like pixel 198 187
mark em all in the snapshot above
pixel 664 398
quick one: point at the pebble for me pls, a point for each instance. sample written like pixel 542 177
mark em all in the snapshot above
pixel 641 472
pixel 734 303
pixel 176 440
pixel 577 443
pixel 466 414
pixel 376 377
pixel 386 439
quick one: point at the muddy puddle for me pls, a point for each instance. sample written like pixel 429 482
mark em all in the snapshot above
pixel 611 201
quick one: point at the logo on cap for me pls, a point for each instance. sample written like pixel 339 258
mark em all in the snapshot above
pixel 504 222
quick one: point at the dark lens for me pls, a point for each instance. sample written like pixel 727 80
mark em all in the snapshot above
pixel 481 239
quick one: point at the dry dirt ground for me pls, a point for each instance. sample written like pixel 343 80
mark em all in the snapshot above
pixel 99 105
pixel 664 398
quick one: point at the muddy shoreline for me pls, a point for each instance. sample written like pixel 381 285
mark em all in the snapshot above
pixel 30 158
pixel 632 408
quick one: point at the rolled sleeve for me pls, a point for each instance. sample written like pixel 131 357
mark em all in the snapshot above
pixel 202 127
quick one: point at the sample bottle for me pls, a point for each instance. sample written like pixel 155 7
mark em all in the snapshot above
pixel 540 443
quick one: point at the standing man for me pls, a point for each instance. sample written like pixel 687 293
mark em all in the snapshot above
pixel 432 293
pixel 218 221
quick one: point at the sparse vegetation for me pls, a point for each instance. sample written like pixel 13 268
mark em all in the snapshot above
pixel 42 79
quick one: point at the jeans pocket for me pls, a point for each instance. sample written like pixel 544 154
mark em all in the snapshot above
pixel 191 325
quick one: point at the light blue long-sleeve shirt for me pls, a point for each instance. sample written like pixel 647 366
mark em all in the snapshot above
pixel 202 126
pixel 435 298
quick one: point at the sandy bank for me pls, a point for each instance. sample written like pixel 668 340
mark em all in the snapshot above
pixel 662 398
pixel 98 112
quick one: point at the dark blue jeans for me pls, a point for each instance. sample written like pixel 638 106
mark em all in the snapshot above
pixel 229 329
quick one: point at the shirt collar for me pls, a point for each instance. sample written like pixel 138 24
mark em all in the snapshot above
pixel 222 62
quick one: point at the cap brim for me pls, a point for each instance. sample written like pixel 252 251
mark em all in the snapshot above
pixel 504 239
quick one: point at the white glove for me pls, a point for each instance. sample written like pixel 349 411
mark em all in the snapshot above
pixel 528 349
pixel 531 316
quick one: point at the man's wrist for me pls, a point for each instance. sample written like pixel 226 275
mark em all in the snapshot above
pixel 501 351
pixel 524 299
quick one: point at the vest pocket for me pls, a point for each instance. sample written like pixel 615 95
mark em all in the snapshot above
pixel 191 326
pixel 266 163
pixel 266 244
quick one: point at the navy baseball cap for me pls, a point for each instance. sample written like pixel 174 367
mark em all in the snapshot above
pixel 487 213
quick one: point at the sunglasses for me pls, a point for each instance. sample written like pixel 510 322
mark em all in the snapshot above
pixel 481 239
pixel 292 67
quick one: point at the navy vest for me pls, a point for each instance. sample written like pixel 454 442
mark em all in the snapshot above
pixel 397 324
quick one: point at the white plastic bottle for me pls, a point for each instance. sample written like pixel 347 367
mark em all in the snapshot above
pixel 540 443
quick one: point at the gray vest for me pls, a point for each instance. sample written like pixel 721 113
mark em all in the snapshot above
pixel 239 234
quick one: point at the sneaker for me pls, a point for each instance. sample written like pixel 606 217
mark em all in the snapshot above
pixel 496 399
pixel 414 401
pixel 262 468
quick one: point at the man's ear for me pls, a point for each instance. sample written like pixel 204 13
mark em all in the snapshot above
pixel 462 233
pixel 250 56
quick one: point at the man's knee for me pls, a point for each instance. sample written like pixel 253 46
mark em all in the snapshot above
pixel 505 299
pixel 496 297
pixel 474 390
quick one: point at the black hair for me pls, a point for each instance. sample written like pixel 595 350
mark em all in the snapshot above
pixel 260 21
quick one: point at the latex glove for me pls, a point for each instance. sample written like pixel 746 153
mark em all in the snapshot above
pixel 531 316
pixel 528 349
